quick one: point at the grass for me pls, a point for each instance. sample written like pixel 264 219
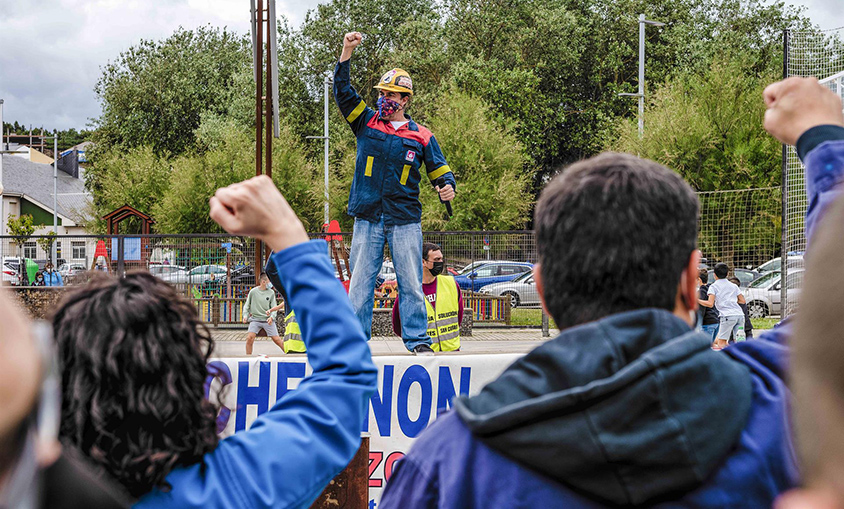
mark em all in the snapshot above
pixel 764 323
pixel 521 317
pixel 528 316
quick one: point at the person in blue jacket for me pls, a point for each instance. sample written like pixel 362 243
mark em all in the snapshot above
pixel 52 276
pixel 628 406
pixel 803 113
pixel 134 360
pixel 384 198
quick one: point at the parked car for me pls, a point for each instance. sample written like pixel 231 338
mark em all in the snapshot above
pixel 71 271
pixel 744 275
pixel 795 261
pixel 491 272
pixel 10 273
pixel 388 271
pixel 764 295
pixel 169 273
pixel 522 290
pixel 203 273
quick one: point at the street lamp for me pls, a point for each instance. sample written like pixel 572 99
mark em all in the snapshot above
pixel 641 93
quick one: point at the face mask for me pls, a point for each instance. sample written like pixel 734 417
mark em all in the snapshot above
pixel 437 269
pixel 387 107
pixel 269 285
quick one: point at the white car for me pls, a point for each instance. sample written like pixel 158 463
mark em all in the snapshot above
pixel 71 269
pixel 169 273
pixel 764 295
pixel 795 261
pixel 522 290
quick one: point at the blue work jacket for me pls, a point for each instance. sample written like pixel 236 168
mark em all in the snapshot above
pixel 389 161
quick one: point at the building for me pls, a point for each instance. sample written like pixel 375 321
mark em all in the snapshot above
pixel 28 189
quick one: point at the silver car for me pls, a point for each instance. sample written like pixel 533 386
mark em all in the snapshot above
pixel 764 295
pixel 522 290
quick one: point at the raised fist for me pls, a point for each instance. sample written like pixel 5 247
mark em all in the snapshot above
pixel 352 40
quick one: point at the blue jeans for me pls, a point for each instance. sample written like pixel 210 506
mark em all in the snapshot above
pixel 711 329
pixel 366 258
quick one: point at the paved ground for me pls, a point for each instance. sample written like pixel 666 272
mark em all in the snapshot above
pixel 231 343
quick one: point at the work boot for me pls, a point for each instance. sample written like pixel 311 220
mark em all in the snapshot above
pixel 422 349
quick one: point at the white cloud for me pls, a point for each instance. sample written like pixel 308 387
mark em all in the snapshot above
pixel 51 51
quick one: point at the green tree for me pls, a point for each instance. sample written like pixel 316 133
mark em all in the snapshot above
pixel 21 228
pixel 46 242
pixel 156 92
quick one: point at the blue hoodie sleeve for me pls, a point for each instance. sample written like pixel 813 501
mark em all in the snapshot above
pixel 351 105
pixel 291 452
pixel 822 151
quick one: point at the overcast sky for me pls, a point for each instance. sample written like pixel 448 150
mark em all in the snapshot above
pixel 51 51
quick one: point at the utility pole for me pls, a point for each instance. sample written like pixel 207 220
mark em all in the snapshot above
pixel 641 93
pixel 266 101
pixel 327 84
pixel 55 197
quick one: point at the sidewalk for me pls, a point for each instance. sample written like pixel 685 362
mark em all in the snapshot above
pixel 231 343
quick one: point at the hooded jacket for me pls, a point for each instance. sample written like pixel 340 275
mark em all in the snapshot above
pixel 629 410
pixel 634 409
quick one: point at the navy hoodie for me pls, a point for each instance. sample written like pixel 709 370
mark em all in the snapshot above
pixel 630 410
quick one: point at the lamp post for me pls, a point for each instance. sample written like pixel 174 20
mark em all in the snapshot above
pixel 641 93
pixel 327 83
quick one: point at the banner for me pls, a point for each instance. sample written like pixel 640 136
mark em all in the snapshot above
pixel 411 393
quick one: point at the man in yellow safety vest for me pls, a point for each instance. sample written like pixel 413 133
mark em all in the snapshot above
pixel 443 302
pixel 292 333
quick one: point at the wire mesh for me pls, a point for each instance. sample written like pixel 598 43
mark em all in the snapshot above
pixel 819 54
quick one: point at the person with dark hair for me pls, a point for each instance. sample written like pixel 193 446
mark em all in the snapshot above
pixel 52 277
pixel 709 316
pixel 742 302
pixel 384 197
pixel 727 297
pixel 35 470
pixel 444 308
pixel 133 355
pixel 629 405
pixel 259 311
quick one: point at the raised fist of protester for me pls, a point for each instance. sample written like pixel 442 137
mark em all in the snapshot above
pixel 352 39
pixel 446 193
pixel 795 105
pixel 256 208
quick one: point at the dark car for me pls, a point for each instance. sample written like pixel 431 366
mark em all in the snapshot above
pixel 492 272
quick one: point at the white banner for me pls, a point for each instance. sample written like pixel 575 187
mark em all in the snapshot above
pixel 411 392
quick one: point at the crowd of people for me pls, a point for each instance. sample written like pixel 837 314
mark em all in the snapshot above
pixel 629 406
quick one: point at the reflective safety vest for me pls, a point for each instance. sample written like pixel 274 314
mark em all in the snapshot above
pixel 443 323
pixel 292 335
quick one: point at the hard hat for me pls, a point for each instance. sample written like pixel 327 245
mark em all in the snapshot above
pixel 396 80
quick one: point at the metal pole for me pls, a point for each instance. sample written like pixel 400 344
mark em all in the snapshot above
pixel 325 135
pixel 641 75
pixel 784 212
pixel 55 197
pixel 268 115
pixel 259 85
pixel 2 200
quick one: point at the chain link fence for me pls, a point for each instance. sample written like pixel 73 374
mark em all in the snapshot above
pixel 493 269
pixel 819 54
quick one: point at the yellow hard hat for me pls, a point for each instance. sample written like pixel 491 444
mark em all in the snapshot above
pixel 396 80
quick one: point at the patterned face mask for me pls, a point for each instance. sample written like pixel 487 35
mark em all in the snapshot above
pixel 387 107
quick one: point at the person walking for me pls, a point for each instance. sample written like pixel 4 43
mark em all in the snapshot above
pixel 256 312
pixel 709 315
pixel 443 302
pixel 725 296
pixel 748 325
pixel 384 197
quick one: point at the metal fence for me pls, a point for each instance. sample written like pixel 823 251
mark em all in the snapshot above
pixel 819 54
pixel 493 269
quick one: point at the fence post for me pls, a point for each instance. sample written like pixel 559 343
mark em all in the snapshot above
pixel 121 269
pixel 350 489
pixel 546 333
pixel 215 310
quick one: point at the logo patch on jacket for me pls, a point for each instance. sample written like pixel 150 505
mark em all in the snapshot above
pixel 411 155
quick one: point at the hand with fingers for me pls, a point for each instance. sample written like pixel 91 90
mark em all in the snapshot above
pixel 795 105
pixel 256 208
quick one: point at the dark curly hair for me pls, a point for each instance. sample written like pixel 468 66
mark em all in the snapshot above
pixel 133 357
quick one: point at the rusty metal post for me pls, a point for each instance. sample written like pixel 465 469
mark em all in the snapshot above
pixel 259 121
pixel 350 489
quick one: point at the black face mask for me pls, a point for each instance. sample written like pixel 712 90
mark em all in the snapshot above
pixel 437 268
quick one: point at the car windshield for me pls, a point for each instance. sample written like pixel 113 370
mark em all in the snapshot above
pixel 524 276
pixel 764 280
